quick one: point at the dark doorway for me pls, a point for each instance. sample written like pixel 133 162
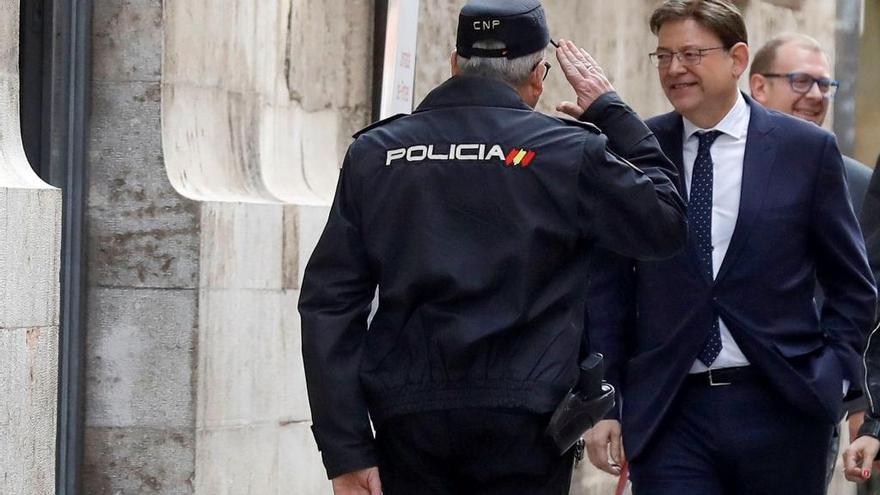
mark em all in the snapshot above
pixel 31 69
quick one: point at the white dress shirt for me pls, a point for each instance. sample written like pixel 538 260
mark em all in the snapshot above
pixel 727 153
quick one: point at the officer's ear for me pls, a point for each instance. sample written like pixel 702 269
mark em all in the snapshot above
pixel 536 78
pixel 453 63
pixel 531 90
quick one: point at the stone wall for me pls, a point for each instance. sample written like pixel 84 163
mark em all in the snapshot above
pixel 867 106
pixel 143 271
pixel 202 159
pixel 194 375
pixel 30 243
pixel 617 35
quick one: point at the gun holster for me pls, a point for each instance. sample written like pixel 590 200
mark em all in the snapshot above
pixel 585 404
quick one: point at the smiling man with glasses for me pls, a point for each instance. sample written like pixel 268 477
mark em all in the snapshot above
pixel 791 74
pixel 730 379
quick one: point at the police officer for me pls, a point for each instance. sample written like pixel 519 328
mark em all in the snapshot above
pixel 475 217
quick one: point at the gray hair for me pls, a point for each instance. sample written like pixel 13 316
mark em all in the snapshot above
pixel 513 71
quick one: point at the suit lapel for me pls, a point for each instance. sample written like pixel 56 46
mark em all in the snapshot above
pixel 671 134
pixel 757 167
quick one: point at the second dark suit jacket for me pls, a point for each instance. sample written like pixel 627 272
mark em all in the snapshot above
pixel 795 226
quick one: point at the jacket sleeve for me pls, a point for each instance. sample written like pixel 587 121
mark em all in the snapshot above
pixel 871 362
pixel 633 205
pixel 841 264
pixel 334 304
pixel 870 220
pixel 611 316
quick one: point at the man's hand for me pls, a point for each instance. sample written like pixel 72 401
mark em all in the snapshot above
pixel 857 458
pixel 584 75
pixel 603 441
pixel 363 482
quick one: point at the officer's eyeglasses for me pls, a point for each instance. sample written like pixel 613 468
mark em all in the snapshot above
pixel 802 83
pixel 546 68
pixel 692 56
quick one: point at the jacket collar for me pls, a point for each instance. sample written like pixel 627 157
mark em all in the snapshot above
pixel 468 91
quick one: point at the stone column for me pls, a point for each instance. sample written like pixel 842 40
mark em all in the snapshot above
pixel 214 122
pixel 30 243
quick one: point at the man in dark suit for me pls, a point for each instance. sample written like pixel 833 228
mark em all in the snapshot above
pixel 791 74
pixel 730 380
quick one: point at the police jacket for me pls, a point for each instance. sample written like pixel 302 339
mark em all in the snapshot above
pixel 475 217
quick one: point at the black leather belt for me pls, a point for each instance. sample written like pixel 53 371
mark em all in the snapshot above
pixel 723 376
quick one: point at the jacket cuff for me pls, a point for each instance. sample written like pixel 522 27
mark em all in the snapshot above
pixel 871 427
pixel 857 404
pixel 595 112
pixel 340 459
pixel 620 123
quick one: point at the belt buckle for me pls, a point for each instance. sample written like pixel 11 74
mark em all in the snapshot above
pixel 713 383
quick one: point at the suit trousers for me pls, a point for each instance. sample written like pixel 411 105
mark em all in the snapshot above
pixel 737 439
pixel 471 451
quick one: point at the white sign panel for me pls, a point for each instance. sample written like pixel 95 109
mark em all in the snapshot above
pixel 399 70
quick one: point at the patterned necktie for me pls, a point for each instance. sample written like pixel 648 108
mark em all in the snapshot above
pixel 699 212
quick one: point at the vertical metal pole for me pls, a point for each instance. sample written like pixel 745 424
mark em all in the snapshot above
pixel 67 94
pixel 380 20
pixel 846 67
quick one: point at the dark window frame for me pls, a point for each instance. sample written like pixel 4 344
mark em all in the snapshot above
pixel 55 69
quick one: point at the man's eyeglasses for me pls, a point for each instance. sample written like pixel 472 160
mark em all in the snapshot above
pixel 802 83
pixel 547 67
pixel 692 56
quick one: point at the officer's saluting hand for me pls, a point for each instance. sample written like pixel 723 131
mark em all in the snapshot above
pixel 585 76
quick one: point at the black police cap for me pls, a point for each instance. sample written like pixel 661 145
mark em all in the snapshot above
pixel 519 24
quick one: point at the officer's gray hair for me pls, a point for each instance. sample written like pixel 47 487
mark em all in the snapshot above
pixel 513 71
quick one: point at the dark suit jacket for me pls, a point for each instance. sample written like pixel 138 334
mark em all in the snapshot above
pixel 858 176
pixel 870 219
pixel 795 225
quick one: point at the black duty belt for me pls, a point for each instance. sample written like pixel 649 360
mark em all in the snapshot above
pixel 723 376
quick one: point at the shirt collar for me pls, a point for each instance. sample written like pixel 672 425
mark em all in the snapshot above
pixel 735 124
pixel 472 91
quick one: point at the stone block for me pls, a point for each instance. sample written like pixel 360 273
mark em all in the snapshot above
pixel 302 471
pixel 250 365
pixel 232 461
pixel 279 459
pixel 251 109
pixel 30 244
pixel 341 32
pixel 290 251
pixel 127 40
pixel 138 460
pixel 241 246
pixel 28 388
pixel 142 233
pixel 588 480
pixel 140 358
